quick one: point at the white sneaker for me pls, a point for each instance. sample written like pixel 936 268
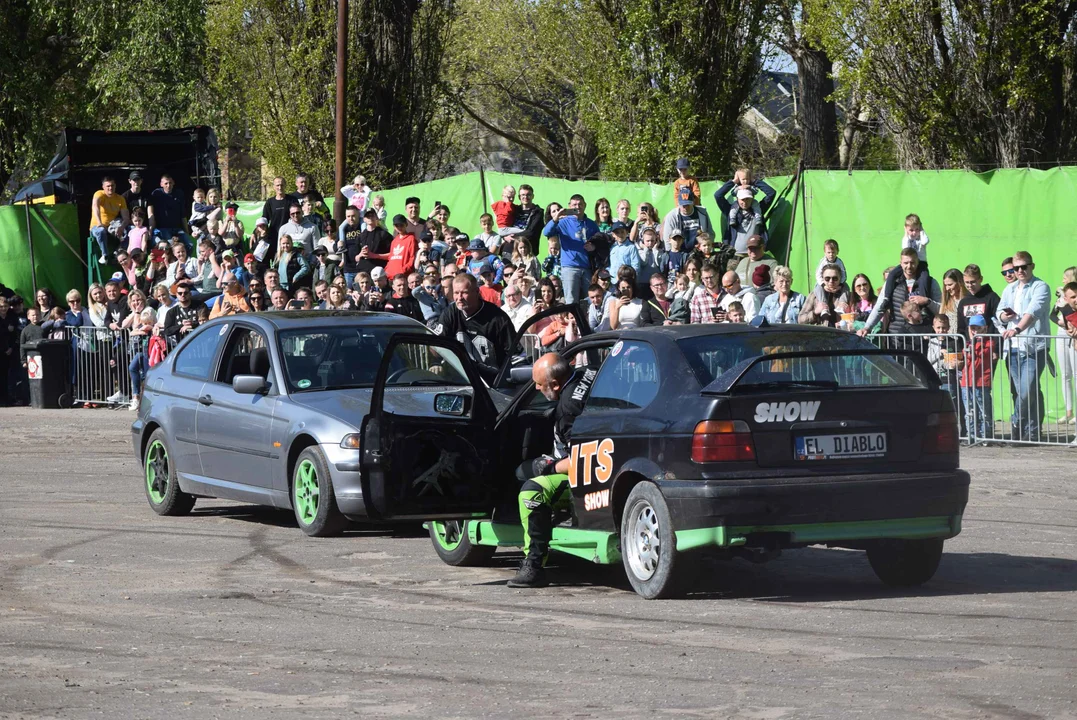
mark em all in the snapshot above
pixel 101 260
pixel 117 398
pixel 134 403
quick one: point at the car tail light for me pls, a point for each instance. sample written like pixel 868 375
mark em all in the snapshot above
pixel 722 441
pixel 941 434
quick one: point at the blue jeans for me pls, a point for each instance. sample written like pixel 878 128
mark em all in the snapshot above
pixel 979 413
pixel 137 369
pixel 575 281
pixel 1025 370
pixel 101 235
pixel 349 278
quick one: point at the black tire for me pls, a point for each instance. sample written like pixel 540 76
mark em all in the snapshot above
pixel 453 546
pixel 905 563
pixel 64 401
pixel 159 478
pixel 313 502
pixel 648 545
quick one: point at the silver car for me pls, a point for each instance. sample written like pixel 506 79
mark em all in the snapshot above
pixel 272 408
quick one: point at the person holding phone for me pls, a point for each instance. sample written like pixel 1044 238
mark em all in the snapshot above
pixel 574 230
pixel 706 306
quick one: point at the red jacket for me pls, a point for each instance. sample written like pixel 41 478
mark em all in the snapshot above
pixel 979 359
pixel 401 256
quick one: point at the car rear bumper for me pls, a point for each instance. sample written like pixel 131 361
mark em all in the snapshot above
pixel 811 500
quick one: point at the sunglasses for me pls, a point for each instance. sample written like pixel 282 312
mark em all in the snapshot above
pixel 1019 268
pixel 1011 271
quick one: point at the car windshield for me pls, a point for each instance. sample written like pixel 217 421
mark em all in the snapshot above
pixel 335 358
pixel 711 355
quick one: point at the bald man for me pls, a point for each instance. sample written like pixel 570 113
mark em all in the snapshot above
pixel 545 479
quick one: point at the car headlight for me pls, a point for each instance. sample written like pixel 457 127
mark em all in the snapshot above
pixel 351 441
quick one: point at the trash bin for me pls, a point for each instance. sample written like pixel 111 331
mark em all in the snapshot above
pixel 48 366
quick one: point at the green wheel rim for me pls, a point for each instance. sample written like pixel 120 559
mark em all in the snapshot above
pixel 305 492
pixel 157 472
pixel 448 534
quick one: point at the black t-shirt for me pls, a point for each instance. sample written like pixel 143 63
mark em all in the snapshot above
pixel 276 212
pixel 569 406
pixel 487 335
pixel 117 311
pixel 407 306
pixel 985 302
pixel 141 199
pixel 379 241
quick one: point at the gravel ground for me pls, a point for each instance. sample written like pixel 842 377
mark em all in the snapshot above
pixel 107 610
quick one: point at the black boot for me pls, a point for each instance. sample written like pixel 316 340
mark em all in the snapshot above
pixel 530 575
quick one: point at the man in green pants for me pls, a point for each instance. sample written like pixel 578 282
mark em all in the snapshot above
pixel 545 479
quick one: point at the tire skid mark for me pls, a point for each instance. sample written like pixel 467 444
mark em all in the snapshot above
pixel 10 583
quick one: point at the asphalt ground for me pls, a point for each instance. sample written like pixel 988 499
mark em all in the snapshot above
pixel 107 610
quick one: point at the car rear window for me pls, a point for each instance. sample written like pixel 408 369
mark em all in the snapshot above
pixel 711 355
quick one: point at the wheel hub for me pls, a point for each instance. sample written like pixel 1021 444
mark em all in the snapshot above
pixel 643 542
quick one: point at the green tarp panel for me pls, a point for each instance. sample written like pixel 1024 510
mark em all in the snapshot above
pixel 970 217
pixel 57 268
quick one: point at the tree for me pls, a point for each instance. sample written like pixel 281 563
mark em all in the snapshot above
pixel 962 82
pixel 529 94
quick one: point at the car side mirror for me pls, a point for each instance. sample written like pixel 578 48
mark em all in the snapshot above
pixel 520 374
pixel 250 385
pixel 451 404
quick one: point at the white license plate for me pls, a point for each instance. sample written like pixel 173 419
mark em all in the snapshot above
pixel 837 447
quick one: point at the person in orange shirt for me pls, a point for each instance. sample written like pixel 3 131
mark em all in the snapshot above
pixel 685 179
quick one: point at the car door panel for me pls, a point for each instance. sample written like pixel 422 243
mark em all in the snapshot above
pixel 418 462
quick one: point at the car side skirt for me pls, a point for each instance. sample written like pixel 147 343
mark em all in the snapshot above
pixel 602 547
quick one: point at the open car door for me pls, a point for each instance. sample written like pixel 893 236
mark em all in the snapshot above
pixel 528 346
pixel 428 445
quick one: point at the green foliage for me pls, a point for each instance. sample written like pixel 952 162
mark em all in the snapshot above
pixel 961 82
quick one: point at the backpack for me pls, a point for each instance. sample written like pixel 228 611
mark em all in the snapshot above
pixel 156 350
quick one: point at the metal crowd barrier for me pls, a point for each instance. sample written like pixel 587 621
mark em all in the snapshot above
pixel 1015 391
pixel 101 360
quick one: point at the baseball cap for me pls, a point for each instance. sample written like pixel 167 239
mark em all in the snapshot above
pixel 755 241
pixel 761 275
pixel 476 244
pixel 231 206
pixel 261 221
pixel 676 232
pixel 321 250
pixel 684 196
pixel 682 163
pixel 745 194
pixel 461 238
pixel 399 220
pixel 603 274
pixel 618 225
pixel 977 321
pixel 118 276
pixel 377 272
pixel 135 175
pixel 228 253
pixel 249 257
pixel 426 236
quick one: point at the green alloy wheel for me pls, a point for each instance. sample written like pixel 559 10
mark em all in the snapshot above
pixel 162 489
pixel 454 547
pixel 312 496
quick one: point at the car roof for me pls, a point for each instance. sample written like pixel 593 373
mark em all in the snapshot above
pixel 678 332
pixel 290 319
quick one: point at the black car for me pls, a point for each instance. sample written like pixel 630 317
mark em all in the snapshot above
pixel 741 438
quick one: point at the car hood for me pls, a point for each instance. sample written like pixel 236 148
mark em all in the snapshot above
pixel 348 406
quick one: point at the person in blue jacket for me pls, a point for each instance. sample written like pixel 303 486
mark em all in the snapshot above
pixel 574 230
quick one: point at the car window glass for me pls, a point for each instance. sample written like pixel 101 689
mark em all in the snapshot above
pixel 627 380
pixel 237 354
pixel 419 364
pixel 196 357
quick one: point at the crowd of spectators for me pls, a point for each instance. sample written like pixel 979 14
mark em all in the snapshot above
pixel 181 263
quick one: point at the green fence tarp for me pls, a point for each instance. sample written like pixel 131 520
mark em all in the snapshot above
pixel 57 268
pixel 970 217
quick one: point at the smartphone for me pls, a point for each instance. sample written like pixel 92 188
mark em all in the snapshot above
pixel 716 311
pixel 569 211
pixel 295 304
pixel 1009 310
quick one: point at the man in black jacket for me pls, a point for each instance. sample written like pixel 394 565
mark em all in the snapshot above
pixel 656 310
pixel 183 317
pixel 481 327
pixel 529 218
pixel 981 300
pixel 401 302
